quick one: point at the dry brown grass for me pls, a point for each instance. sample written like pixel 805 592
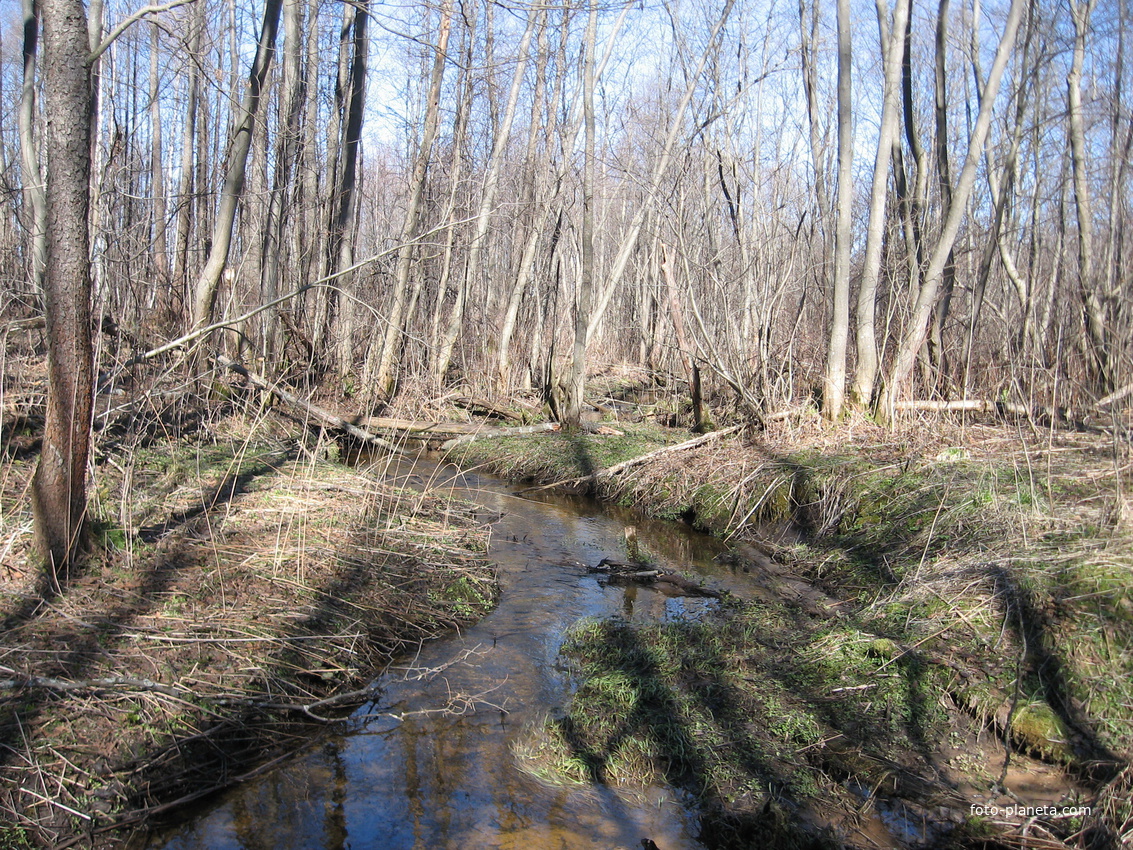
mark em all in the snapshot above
pixel 237 587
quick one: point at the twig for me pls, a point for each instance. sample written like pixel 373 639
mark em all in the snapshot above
pixel 137 16
pixel 48 800
pixel 115 683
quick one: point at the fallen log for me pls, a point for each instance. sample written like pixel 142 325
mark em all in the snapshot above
pixel 310 409
pixel 416 429
pixel 482 406
pixel 1040 414
pixel 1118 395
pixel 629 572
pixel 486 433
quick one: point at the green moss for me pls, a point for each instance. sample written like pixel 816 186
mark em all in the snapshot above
pixel 1037 729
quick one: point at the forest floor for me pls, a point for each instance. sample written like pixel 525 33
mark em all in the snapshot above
pixel 945 632
pixel 945 622
pixel 244 589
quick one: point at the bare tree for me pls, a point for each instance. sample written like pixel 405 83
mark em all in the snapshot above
pixel 472 268
pixel 29 149
pixel 834 381
pixel 1097 330
pixel 893 42
pixel 572 414
pixel 922 311
pixel 379 375
pixel 59 487
pixel 204 294
pixel 185 201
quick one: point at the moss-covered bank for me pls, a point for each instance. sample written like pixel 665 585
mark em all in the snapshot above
pixel 978 582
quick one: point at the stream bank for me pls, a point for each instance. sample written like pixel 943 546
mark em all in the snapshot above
pixel 246 588
pixel 945 633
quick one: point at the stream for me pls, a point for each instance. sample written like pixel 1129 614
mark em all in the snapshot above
pixel 433 762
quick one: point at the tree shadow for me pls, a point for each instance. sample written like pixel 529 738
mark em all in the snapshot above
pixel 66 647
pixel 886 722
pixel 1043 674
pixel 653 716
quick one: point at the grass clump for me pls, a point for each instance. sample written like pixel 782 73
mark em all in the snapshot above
pixel 719 708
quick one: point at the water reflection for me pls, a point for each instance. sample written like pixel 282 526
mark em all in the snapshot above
pixel 433 765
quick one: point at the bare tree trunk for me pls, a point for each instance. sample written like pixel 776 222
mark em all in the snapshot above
pixel 157 177
pixel 576 387
pixel 808 39
pixel 465 86
pixel 326 299
pixel 629 241
pixel 309 207
pixel 31 177
pixel 1095 314
pixel 340 248
pixel 185 199
pixel 944 178
pixel 893 48
pixel 204 294
pixel 526 263
pixel 834 380
pixel 530 235
pixel 1000 194
pixel 487 204
pixel 59 486
pixel 279 206
pixel 922 311
pixel 379 377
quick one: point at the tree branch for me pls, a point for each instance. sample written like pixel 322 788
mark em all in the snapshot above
pixel 134 18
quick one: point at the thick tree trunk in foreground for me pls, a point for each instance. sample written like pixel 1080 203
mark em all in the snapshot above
pixel 59 487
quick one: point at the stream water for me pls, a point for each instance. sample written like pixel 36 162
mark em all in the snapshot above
pixel 433 763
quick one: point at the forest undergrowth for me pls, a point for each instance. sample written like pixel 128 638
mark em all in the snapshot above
pixel 945 615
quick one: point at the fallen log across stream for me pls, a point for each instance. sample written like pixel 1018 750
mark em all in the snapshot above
pixel 611 471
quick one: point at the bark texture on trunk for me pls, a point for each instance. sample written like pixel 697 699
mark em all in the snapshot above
pixel 59 487
pixel 834 383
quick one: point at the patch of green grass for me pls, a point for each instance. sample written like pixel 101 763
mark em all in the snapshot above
pixel 15 838
pixel 708 706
